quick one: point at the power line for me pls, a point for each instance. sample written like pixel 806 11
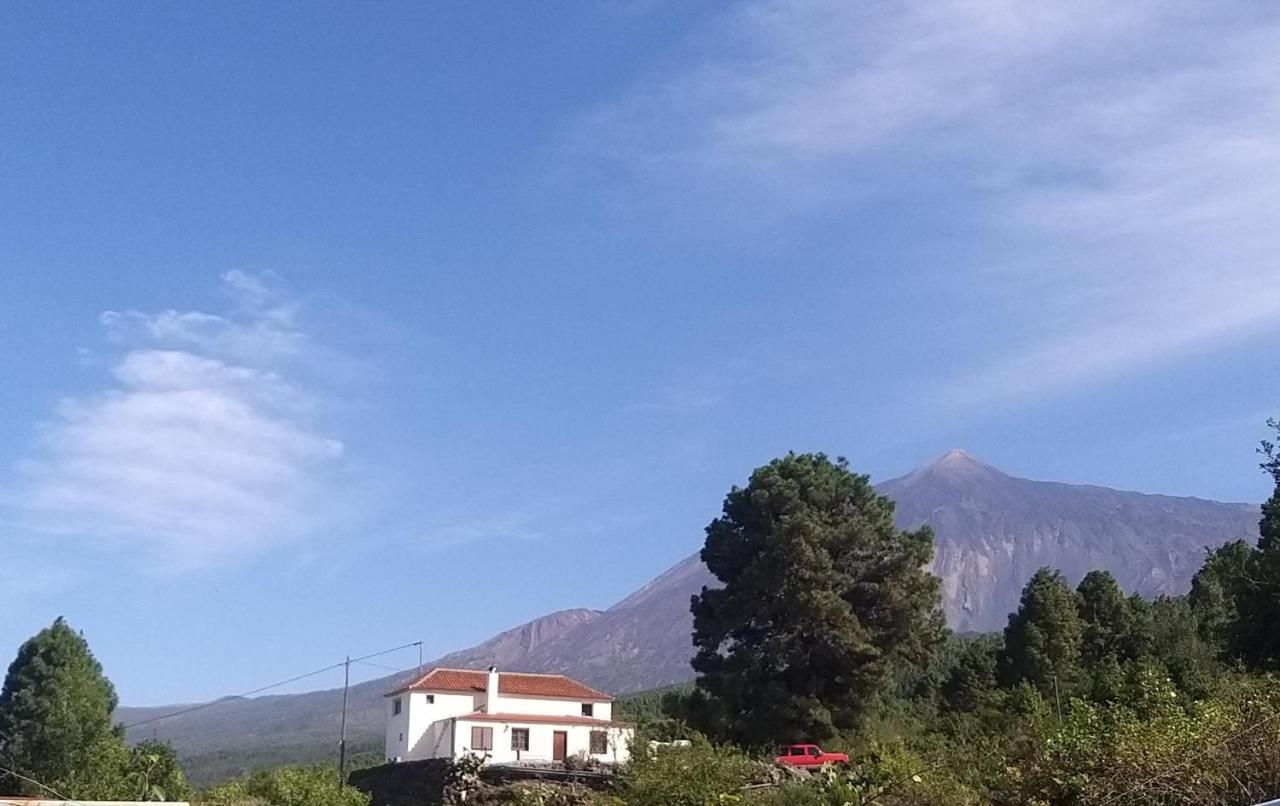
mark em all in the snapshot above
pixel 228 697
pixel 48 789
pixel 268 687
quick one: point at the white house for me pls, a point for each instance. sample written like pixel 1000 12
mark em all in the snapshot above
pixel 505 717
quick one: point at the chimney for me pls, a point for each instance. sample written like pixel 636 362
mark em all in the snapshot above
pixel 491 691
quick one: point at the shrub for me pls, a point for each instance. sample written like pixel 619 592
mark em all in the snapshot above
pixel 698 775
pixel 289 786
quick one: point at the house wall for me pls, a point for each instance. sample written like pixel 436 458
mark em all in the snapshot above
pixel 424 726
pixel 541 742
pixel 549 706
pixel 397 738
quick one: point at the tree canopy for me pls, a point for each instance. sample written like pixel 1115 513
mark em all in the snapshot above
pixel 1236 593
pixel 55 707
pixel 55 728
pixel 823 596
pixel 1044 636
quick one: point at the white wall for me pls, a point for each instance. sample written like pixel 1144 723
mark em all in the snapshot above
pixel 428 732
pixel 397 739
pixel 548 706
pixel 541 742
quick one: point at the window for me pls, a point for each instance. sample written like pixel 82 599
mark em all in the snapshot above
pixel 482 738
pixel 395 706
pixel 519 738
pixel 431 698
pixel 588 709
pixel 813 751
pixel 599 743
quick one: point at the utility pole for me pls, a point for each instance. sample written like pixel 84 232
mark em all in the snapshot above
pixel 419 660
pixel 342 741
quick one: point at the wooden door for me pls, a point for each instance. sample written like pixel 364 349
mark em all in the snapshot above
pixel 559 745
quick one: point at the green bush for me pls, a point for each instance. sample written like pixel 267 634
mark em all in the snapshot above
pixel 1153 750
pixel 698 775
pixel 289 786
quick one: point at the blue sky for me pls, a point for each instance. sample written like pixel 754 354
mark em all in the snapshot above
pixel 320 316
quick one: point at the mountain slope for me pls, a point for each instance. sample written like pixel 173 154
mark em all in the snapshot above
pixel 992 530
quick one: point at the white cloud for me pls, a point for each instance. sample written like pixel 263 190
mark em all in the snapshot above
pixel 199 452
pixel 675 400
pixel 1121 161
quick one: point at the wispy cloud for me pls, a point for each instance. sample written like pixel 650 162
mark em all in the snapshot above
pixel 1120 162
pixel 675 400
pixel 200 450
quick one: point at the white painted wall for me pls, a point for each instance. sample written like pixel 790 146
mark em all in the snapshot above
pixel 541 742
pixel 428 733
pixel 548 706
pixel 397 739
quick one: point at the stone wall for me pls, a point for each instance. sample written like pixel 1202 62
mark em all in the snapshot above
pixel 408 783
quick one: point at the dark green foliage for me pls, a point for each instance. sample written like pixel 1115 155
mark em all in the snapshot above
pixel 1178 644
pixel 1217 592
pixel 55 710
pixel 1260 609
pixel 1236 594
pixel 971 683
pixel 1044 636
pixel 823 597
pixel 55 728
pixel 1107 617
pixel 664 714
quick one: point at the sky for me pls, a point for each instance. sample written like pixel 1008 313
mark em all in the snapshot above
pixel 330 327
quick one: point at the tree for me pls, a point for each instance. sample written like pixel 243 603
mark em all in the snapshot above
pixel 55 709
pixel 1107 619
pixel 1218 590
pixel 1259 611
pixel 970 683
pixel 1043 638
pixel 1236 593
pixel 1178 643
pixel 822 598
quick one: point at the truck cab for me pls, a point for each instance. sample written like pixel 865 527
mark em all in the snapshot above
pixel 808 755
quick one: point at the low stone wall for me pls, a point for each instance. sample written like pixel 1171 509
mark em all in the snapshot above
pixel 407 783
pixel 421 783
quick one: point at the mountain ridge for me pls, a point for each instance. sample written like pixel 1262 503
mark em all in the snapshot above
pixel 992 531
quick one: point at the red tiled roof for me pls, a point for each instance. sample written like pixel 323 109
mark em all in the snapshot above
pixel 540 719
pixel 515 684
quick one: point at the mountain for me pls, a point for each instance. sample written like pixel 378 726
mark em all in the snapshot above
pixel 992 531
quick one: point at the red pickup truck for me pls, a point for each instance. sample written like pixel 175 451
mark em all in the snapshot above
pixel 808 755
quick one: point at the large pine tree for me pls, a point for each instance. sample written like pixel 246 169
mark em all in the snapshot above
pixel 1043 639
pixel 1236 593
pixel 822 598
pixel 1259 610
pixel 1107 619
pixel 55 710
